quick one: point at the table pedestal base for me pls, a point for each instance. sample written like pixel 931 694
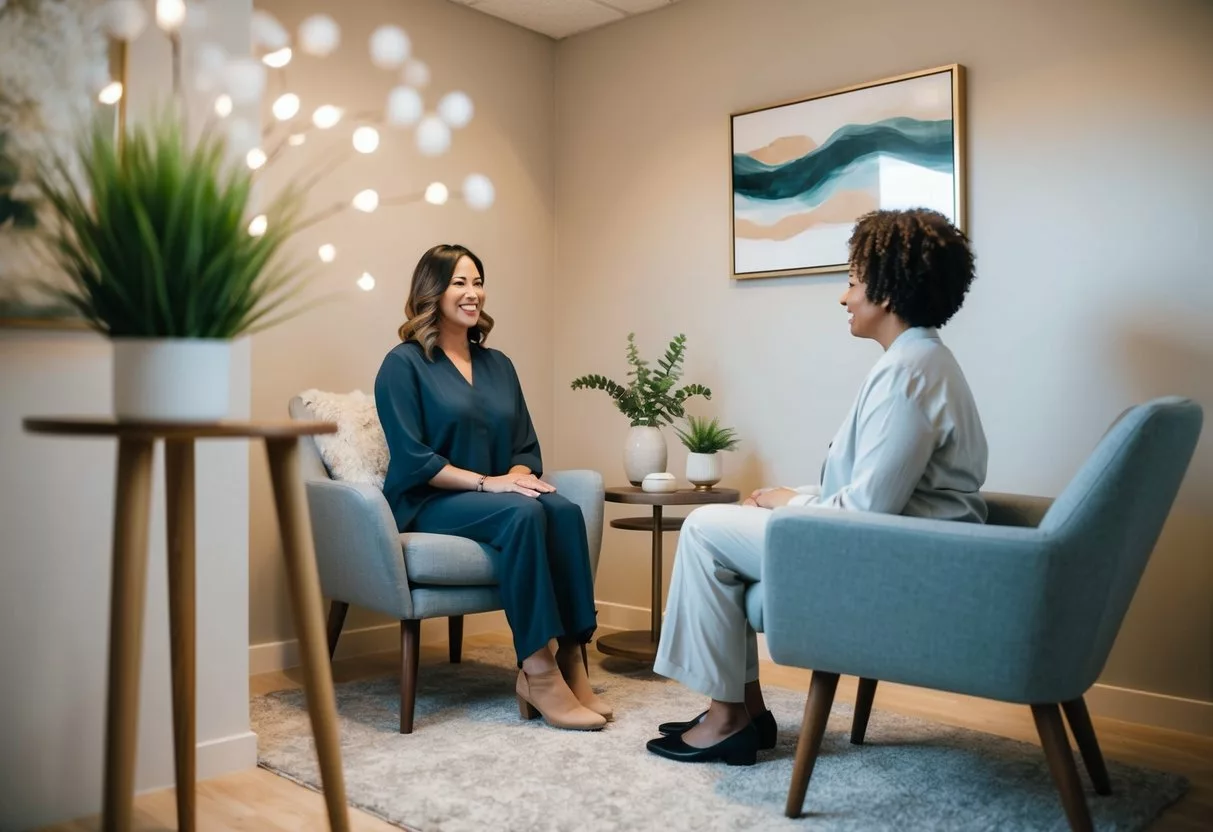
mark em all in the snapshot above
pixel 631 644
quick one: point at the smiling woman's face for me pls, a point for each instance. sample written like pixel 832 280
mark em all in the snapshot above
pixel 866 317
pixel 464 296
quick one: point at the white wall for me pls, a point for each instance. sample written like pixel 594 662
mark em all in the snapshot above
pixel 55 528
pixel 339 346
pixel 1089 182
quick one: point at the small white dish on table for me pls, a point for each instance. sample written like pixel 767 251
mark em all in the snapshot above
pixel 659 484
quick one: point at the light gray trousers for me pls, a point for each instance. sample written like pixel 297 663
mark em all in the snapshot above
pixel 706 642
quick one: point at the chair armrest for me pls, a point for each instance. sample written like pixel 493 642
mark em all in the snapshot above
pixel 586 489
pixel 942 604
pixel 358 550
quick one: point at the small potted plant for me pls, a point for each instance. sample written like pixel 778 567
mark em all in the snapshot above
pixel 649 400
pixel 705 439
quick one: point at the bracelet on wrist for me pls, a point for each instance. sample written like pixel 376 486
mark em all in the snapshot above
pixel 480 484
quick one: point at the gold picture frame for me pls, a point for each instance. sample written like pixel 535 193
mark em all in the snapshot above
pixel 803 170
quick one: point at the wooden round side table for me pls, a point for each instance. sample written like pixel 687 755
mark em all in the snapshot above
pixel 136 441
pixel 641 645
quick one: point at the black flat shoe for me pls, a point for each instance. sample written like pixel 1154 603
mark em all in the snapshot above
pixel 740 749
pixel 764 723
pixel 667 728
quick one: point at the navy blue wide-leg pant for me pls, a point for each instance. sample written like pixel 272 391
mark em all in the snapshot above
pixel 541 559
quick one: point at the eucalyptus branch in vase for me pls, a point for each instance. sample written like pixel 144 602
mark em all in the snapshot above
pixel 650 399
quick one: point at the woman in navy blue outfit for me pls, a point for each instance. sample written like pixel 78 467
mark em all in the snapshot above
pixel 464 460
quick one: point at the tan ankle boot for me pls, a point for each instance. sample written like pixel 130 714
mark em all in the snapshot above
pixel 572 668
pixel 547 695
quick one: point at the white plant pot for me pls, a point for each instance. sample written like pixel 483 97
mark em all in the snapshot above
pixel 703 470
pixel 644 453
pixel 171 379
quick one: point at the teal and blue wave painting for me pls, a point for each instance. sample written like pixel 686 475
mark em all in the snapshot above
pixel 847 155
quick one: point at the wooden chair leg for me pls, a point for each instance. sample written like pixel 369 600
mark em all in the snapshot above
pixel 455 636
pixel 1084 734
pixel 863 709
pixel 816 715
pixel 337 611
pixel 410 652
pixel 1056 746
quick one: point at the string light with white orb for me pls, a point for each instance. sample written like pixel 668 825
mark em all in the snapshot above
pixel 437 194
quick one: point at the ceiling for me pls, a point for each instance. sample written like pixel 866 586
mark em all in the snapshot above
pixel 561 18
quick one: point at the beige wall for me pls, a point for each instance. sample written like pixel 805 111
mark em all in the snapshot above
pixel 508 72
pixel 1089 181
pixel 56 505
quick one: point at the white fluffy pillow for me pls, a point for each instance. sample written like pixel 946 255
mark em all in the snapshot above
pixel 357 452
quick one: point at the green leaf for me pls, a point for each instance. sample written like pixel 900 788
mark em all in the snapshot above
pixel 649 397
pixel 704 437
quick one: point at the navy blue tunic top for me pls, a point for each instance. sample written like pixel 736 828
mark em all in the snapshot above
pixel 432 416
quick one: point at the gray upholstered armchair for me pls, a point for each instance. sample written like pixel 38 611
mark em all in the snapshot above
pixel 363 560
pixel 1023 609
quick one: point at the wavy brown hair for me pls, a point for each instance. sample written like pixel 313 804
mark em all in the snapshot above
pixel 422 312
pixel 916 260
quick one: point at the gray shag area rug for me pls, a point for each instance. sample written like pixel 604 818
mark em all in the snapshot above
pixel 472 764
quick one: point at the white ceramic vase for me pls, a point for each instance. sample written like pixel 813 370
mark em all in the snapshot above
pixel 703 470
pixel 171 379
pixel 644 453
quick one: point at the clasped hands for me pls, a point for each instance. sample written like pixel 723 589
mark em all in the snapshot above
pixel 769 497
pixel 527 485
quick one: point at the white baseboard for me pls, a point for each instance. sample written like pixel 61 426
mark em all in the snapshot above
pixel 279 655
pixel 1158 710
pixel 382 638
pixel 214 758
pixel 615 617
pixel 1192 716
pixel 234 753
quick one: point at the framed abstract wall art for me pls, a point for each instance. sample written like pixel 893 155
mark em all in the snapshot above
pixel 804 171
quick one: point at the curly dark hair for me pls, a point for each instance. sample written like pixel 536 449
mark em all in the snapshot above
pixel 916 260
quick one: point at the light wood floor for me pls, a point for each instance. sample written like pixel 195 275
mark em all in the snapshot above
pixel 258 800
